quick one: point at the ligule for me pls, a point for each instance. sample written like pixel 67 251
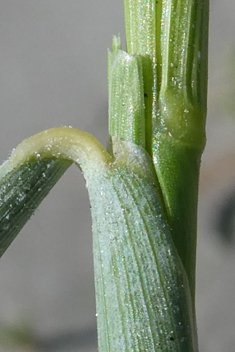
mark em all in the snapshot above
pixel 126 97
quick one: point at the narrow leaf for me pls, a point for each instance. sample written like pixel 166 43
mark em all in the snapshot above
pixel 22 190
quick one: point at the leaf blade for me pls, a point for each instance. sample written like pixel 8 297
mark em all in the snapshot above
pixel 21 192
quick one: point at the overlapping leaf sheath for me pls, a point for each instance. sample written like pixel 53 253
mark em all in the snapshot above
pixel 142 292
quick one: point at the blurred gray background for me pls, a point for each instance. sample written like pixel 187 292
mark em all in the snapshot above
pixel 53 73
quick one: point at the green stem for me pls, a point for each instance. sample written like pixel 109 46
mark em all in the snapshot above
pixel 179 135
pixel 172 36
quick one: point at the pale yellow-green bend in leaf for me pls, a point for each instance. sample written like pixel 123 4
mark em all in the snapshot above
pixel 33 169
pixel 61 143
